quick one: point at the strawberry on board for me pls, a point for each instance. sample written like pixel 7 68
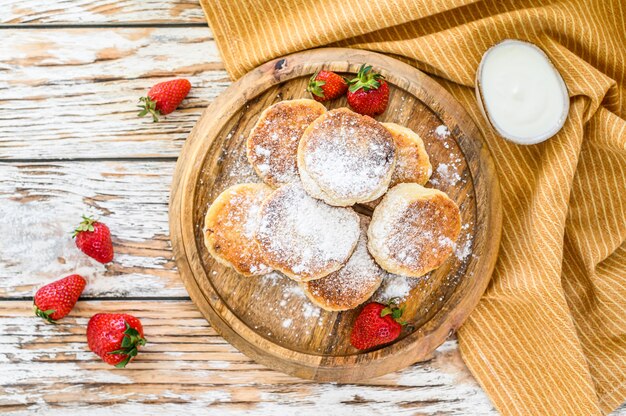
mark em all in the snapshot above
pixel 164 97
pixel 368 93
pixel 377 324
pixel 115 337
pixel 326 85
pixel 94 239
pixel 55 300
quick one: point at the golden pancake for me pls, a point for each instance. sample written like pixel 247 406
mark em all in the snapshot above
pixel 413 230
pixel 303 237
pixel 345 158
pixel 351 285
pixel 413 164
pixel 273 141
pixel 230 225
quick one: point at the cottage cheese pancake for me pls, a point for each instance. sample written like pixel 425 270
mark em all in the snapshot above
pixel 346 158
pixel 413 230
pixel 413 164
pixel 273 141
pixel 303 237
pixel 230 225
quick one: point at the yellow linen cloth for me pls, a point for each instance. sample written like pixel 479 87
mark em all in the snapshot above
pixel 549 335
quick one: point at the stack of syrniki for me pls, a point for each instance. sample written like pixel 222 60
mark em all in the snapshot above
pixel 316 164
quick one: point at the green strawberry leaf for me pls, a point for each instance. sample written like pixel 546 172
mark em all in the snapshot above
pixel 131 340
pixel 315 86
pixel 126 342
pixel 123 363
pixel 393 310
pixel 85 225
pixel 44 314
pixel 366 79
pixel 148 106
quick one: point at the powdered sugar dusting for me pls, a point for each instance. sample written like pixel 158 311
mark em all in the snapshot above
pixel 293 291
pixel 310 311
pixel 236 167
pixel 442 131
pixel 271 278
pixel 448 173
pixel 251 224
pixel 463 247
pixel 396 287
pixel 304 237
pixel 281 298
pixel 352 284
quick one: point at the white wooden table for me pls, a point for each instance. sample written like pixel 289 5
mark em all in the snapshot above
pixel 70 143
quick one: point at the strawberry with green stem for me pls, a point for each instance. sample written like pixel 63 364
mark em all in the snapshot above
pixel 55 300
pixel 377 324
pixel 368 92
pixel 164 97
pixel 115 337
pixel 94 239
pixel 326 86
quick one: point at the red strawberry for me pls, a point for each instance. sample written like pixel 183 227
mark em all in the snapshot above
pixel 94 239
pixel 368 93
pixel 164 97
pixel 55 300
pixel 115 337
pixel 376 324
pixel 326 86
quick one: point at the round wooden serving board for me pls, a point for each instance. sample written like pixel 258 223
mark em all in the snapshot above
pixel 268 318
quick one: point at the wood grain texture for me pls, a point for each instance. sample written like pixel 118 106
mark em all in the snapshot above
pixel 72 93
pixel 40 204
pixel 100 12
pixel 187 367
pixel 317 346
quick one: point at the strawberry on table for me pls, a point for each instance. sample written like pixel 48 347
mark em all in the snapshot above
pixel 326 85
pixel 368 93
pixel 164 97
pixel 115 337
pixel 377 324
pixel 55 300
pixel 94 239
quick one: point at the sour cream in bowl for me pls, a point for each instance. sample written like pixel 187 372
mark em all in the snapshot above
pixel 521 93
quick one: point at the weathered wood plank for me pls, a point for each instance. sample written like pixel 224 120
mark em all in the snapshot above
pixel 100 12
pixel 187 367
pixel 40 203
pixel 72 93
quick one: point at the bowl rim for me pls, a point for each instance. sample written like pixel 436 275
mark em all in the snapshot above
pixel 483 105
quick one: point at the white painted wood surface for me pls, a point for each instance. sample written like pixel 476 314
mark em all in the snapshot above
pixel 118 12
pixel 70 144
pixel 72 93
pixel 41 203
pixel 186 367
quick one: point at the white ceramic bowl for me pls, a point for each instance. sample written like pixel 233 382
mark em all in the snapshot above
pixel 502 132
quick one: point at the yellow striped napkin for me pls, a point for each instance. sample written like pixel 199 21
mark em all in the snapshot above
pixel 549 335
